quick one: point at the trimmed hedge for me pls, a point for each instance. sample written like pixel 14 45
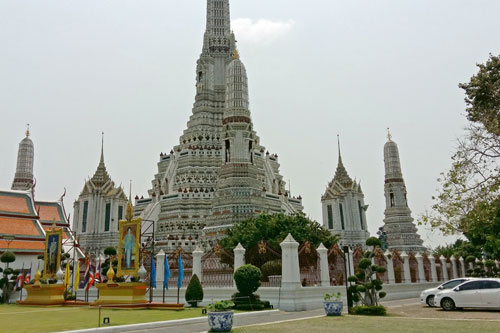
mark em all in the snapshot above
pixel 247 279
pixel 194 291
pixel 364 310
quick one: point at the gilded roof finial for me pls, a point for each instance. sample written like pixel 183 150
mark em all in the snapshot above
pixel 389 136
pixel 236 55
pixel 130 212
pixel 27 130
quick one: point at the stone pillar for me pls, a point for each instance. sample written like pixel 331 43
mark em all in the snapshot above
pixel 239 256
pixel 406 267
pixel 323 264
pixel 421 271
pixel 462 266
pixel 160 268
pixel 454 267
pixel 290 278
pixel 197 254
pixel 434 273
pixel 471 265
pixel 390 267
pixel 444 269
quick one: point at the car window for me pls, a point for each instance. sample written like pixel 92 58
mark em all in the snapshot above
pixel 490 285
pixel 471 285
pixel 452 284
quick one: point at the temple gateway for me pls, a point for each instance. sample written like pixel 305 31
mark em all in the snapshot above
pixel 219 173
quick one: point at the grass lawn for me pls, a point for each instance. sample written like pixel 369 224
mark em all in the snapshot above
pixel 362 324
pixel 50 319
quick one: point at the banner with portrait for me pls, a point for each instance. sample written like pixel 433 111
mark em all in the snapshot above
pixel 129 247
pixel 52 255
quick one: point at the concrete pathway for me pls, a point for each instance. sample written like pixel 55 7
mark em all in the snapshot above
pixel 266 318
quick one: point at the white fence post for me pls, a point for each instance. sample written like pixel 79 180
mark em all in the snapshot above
pixel 323 262
pixel 197 254
pixel 462 266
pixel 160 267
pixel 406 267
pixel 390 267
pixel 444 269
pixel 290 263
pixel 433 268
pixel 454 267
pixel 421 271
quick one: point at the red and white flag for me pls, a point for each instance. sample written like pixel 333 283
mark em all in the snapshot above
pixel 27 278
pixel 98 272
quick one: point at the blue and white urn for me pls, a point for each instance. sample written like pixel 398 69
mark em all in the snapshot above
pixel 333 308
pixel 220 321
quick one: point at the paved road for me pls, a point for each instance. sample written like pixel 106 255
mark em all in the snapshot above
pixel 265 318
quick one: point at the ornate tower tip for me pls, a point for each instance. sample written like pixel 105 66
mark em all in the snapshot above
pixel 389 135
pixel 27 130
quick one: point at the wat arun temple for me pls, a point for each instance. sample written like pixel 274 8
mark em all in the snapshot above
pixel 220 173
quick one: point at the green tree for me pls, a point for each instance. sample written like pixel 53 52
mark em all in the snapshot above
pixel 8 257
pixel 367 289
pixel 273 229
pixel 194 291
pixel 247 279
pixel 483 95
pixel 468 198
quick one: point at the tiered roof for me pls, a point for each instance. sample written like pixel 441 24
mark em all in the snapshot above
pixel 19 219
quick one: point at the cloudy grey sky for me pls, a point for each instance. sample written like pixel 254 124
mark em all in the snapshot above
pixel 316 68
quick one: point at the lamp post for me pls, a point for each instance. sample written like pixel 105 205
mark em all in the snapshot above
pixel 152 256
pixel 346 259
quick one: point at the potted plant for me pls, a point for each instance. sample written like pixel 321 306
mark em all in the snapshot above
pixel 333 305
pixel 220 316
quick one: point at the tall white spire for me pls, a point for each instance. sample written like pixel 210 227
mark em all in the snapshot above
pixel 23 179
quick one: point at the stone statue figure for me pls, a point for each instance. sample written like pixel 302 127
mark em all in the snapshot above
pixel 129 246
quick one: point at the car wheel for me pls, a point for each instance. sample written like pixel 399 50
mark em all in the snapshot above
pixel 447 304
pixel 430 301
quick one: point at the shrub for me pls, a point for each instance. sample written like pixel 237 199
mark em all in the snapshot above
pixel 366 288
pixel 375 310
pixel 194 291
pixel 247 279
pixel 110 251
pixel 271 268
pixel 220 306
pixel 7 257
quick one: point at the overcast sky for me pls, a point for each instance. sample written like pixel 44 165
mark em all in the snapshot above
pixel 316 68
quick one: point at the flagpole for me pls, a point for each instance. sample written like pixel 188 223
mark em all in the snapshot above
pixel 22 282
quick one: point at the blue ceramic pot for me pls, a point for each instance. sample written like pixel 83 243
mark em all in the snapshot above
pixel 220 321
pixel 333 308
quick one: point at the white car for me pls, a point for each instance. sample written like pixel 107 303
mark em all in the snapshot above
pixel 478 293
pixel 427 296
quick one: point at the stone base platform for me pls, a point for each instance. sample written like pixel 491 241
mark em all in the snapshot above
pixel 45 294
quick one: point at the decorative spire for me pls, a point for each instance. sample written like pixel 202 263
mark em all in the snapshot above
pixel 27 130
pixel 389 135
pixel 341 174
pixel 102 148
pixel 101 176
pixel 23 178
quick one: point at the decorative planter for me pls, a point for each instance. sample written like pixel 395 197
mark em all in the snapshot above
pixel 220 321
pixel 333 308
